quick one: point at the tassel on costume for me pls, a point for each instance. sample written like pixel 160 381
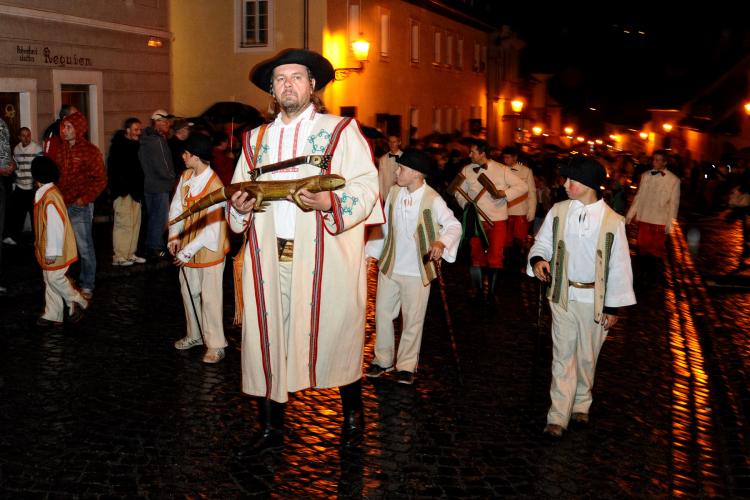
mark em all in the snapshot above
pixel 237 265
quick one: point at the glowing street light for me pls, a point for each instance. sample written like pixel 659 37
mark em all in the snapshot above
pixel 516 105
pixel 747 108
pixel 643 135
pixel 667 127
pixel 568 130
pixel 536 130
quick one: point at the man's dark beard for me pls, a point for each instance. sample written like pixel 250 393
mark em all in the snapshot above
pixel 294 109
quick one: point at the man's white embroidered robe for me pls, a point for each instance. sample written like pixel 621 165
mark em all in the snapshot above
pixel 325 340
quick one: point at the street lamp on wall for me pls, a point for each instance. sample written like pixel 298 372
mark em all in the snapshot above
pixel 747 108
pixel 361 49
pixel 667 143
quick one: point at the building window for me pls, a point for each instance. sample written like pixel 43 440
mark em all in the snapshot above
pixel 449 126
pixel 385 32
pixel 449 49
pixel 354 29
pixel 483 59
pixel 477 57
pixel 349 111
pixel 460 54
pixel 437 120
pixel 413 124
pixel 437 52
pixel 414 42
pixel 459 121
pixel 255 23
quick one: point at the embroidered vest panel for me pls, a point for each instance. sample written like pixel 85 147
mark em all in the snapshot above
pixel 426 232
pixel 70 253
pixel 558 290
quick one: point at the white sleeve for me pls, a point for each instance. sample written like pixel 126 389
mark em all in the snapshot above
pixel 208 236
pixel 374 247
pixel 620 279
pixel 55 233
pixel 516 186
pixel 237 221
pixel 531 200
pixel 175 209
pixel 542 246
pixel 450 229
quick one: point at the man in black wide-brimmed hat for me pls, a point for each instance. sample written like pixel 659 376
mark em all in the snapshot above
pixel 303 276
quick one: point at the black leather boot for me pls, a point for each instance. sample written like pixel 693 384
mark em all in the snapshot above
pixel 475 273
pixel 271 434
pixel 353 428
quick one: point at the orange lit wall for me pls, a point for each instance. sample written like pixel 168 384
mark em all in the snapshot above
pixel 392 83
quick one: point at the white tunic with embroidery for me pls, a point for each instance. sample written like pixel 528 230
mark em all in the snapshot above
pixel 327 310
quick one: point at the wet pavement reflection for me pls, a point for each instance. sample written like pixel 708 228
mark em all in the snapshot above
pixel 110 408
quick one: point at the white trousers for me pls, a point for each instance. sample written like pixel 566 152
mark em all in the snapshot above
pixel 410 296
pixel 204 285
pixel 58 292
pixel 576 342
pixel 126 227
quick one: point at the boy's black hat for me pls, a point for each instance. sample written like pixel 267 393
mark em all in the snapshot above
pixel 44 170
pixel 419 161
pixel 585 170
pixel 200 145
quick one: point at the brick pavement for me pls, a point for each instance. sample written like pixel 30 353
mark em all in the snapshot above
pixel 110 409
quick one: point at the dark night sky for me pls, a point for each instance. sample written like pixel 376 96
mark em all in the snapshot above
pixel 597 64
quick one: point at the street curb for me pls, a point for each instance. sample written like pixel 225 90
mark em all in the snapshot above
pixel 728 401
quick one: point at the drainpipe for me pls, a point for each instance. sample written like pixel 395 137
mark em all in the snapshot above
pixel 306 22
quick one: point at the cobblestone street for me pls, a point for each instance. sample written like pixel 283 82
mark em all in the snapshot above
pixel 109 408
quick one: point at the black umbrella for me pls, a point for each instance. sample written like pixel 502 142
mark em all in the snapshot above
pixel 371 132
pixel 236 113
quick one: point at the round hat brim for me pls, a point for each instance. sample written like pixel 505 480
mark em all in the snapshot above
pixel 320 67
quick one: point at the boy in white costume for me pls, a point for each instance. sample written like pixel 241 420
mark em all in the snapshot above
pixel 199 245
pixel 419 230
pixel 582 251
pixel 55 246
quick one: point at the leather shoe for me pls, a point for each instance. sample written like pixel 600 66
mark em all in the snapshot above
pixel 375 370
pixel 77 314
pixel 45 323
pixel 581 419
pixel 553 430
pixel 268 440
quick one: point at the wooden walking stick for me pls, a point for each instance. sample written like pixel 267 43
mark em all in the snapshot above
pixel 448 320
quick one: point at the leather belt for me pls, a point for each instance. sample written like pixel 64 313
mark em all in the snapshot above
pixel 578 284
pixel 285 249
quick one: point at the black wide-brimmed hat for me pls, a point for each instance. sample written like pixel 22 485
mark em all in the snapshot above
pixel 199 145
pixel 419 161
pixel 585 170
pixel 320 67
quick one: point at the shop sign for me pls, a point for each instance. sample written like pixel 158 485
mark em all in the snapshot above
pixel 32 54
